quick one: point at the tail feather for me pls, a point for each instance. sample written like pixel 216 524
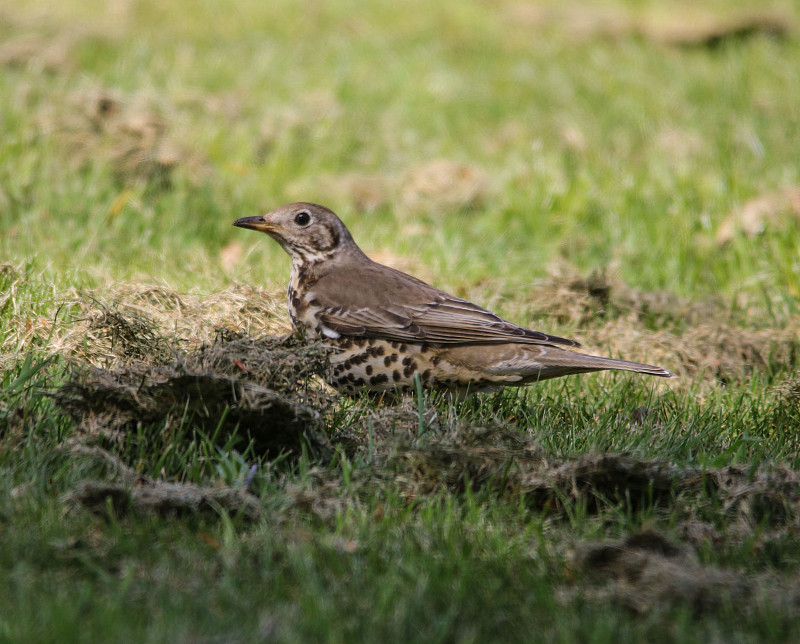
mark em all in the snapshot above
pixel 628 365
pixel 515 364
pixel 559 362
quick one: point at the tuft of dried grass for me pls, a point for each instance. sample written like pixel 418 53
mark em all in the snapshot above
pixel 154 355
pixel 511 464
pixel 133 492
pixel 688 25
pixel 444 185
pixel 261 388
pixel 520 470
pixel 712 352
pixel 35 52
pixel 362 192
pixel 129 133
pixel 776 210
pixel 91 330
pixel 647 572
pixel 699 340
pixel 439 185
pixel 705 29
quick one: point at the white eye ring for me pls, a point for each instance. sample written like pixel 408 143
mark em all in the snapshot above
pixel 302 218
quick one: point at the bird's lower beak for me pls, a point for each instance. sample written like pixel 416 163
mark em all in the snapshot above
pixel 256 223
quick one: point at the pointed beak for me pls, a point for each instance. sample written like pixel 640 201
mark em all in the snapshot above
pixel 256 223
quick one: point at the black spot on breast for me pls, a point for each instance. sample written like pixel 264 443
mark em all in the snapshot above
pixel 376 350
pixel 396 375
pixel 379 379
pixel 369 370
pixel 406 361
pixel 410 369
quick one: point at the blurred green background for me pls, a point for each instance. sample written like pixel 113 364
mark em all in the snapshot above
pixel 477 140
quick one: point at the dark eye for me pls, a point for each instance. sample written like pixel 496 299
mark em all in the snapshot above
pixel 302 218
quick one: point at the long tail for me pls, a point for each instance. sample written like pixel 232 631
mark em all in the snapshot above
pixel 626 365
pixel 555 362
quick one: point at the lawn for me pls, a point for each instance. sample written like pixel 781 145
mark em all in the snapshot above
pixel 622 173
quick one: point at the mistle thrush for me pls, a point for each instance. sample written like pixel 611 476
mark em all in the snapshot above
pixel 386 326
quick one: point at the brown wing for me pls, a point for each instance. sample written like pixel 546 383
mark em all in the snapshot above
pixel 374 301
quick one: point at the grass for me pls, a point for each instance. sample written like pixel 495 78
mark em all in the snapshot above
pixel 592 154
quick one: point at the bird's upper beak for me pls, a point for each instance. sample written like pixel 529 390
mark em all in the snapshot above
pixel 256 223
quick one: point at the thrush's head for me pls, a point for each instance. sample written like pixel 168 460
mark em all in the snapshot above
pixel 308 232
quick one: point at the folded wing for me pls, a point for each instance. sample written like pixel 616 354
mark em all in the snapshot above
pixel 396 306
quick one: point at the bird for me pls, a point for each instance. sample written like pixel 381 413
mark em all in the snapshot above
pixel 389 331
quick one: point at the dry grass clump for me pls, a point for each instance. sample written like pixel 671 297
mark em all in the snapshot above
pixel 699 340
pixel 439 185
pixel 449 456
pixel 131 134
pixel 259 387
pixel 34 52
pixel 685 25
pixel 365 193
pixel 519 469
pixel 715 353
pixel 160 357
pixel 566 296
pixel 790 390
pixel 443 185
pixel 80 325
pixel 701 29
pixel 130 372
pixel 775 210
pixel 134 492
pixel 647 572
pixel 94 330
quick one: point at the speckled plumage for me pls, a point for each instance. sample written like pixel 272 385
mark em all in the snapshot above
pixel 385 325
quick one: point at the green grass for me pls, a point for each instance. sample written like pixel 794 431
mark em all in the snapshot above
pixel 598 152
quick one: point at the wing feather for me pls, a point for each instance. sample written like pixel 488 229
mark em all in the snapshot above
pixel 374 301
pixel 443 320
